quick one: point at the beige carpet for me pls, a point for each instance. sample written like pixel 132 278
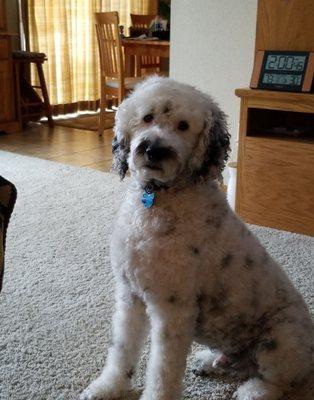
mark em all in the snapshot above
pixel 86 122
pixel 57 299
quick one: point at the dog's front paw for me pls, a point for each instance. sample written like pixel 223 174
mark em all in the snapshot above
pixel 99 389
pixel 210 362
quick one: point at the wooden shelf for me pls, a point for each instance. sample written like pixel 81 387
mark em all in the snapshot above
pixel 275 184
pixel 286 101
pixel 266 136
pixel 267 94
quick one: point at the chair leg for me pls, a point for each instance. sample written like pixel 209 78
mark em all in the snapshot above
pixel 17 72
pixel 45 94
pixel 102 116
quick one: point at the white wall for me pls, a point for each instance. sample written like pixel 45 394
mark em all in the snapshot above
pixel 212 48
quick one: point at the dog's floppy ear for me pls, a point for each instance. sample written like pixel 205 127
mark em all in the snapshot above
pixel 214 144
pixel 120 151
pixel 121 141
pixel 219 144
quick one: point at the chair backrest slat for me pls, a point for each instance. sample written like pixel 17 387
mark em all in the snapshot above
pixel 110 46
pixel 141 21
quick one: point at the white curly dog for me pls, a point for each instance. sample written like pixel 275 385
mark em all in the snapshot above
pixel 186 267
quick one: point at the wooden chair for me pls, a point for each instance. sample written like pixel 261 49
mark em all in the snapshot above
pixel 142 23
pixel 113 82
pixel 31 106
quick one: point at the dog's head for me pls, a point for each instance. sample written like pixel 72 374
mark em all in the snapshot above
pixel 167 132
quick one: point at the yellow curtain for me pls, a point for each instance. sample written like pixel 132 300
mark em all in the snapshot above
pixel 64 30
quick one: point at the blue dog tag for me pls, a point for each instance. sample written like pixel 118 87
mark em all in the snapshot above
pixel 148 199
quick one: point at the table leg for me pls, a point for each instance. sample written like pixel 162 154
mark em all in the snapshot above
pixel 129 65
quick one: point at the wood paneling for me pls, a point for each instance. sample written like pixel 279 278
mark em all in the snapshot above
pixel 6 103
pixel 3 22
pixel 4 48
pixel 285 25
pixel 8 115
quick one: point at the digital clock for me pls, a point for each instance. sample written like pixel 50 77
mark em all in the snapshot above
pixel 290 71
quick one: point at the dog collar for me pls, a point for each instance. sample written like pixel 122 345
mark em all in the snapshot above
pixel 148 199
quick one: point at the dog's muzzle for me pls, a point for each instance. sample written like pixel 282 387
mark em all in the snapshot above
pixel 154 153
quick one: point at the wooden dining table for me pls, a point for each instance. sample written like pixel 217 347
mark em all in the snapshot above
pixel 134 48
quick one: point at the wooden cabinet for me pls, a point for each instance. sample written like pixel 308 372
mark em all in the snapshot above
pixel 3 20
pixel 275 184
pixel 6 107
pixel 8 111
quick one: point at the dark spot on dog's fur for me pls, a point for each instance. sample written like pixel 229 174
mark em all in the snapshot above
pixel 201 299
pixel 124 277
pixel 226 261
pixel 209 306
pixel 195 250
pixel 255 295
pixel 281 295
pixel 214 221
pixel 245 232
pixel 218 303
pixel 214 206
pixel 165 335
pixel 172 299
pixel 170 229
pixel 130 373
pixel 269 345
pixel 248 262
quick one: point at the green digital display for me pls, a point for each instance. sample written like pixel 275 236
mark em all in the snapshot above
pixel 283 70
pixel 282 79
pixel 281 62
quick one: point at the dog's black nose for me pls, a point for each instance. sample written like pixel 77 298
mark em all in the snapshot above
pixel 157 153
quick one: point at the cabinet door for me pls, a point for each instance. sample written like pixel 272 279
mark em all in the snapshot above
pixel 6 90
pixel 276 184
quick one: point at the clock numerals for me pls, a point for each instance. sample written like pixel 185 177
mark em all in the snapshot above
pixel 282 79
pixel 268 78
pixel 285 63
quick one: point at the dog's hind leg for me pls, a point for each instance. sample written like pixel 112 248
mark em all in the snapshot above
pixel 283 358
pixel 129 333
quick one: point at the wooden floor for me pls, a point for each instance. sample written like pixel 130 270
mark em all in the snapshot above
pixel 77 147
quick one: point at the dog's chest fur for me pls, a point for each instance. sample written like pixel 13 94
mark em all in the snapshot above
pixel 190 247
pixel 169 240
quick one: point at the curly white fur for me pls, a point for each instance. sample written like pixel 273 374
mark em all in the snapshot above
pixel 188 268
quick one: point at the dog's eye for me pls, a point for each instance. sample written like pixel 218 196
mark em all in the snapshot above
pixel 148 118
pixel 183 126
